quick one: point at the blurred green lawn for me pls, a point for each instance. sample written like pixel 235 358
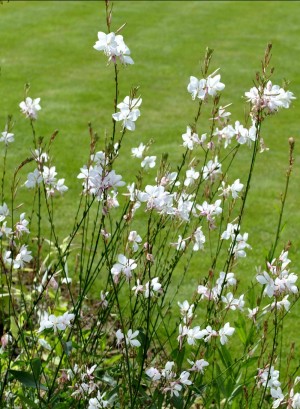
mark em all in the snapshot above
pixel 50 45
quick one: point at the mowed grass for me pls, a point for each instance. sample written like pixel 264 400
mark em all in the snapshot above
pixel 50 45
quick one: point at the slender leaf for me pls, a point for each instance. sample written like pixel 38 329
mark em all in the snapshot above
pixel 27 379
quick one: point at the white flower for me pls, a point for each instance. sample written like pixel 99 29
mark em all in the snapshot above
pixel 106 43
pixel 98 402
pixel 152 288
pixel 120 336
pixel 123 51
pixel 21 226
pixel 184 378
pixel 138 152
pixel 138 288
pixel 213 84
pixel 222 115
pixel 236 188
pixel 186 310
pixel 211 169
pixel 193 334
pixel 113 46
pixel 124 266
pixel 240 245
pixel 296 401
pixel 191 177
pixel 7 258
pixel 96 181
pixel 129 112
pixel 56 322
pixel 135 239
pixel 204 87
pixel 4 212
pixel 33 179
pixel 153 373
pixel 224 332
pixel 60 187
pixel 225 280
pixel 190 139
pixel 209 333
pixel 130 338
pixel 266 280
pixel 271 99
pixel 230 232
pixel 148 162
pixel 284 303
pixel 196 88
pixel 184 206
pixel 174 389
pixel 209 211
pixel 49 175
pixel 252 313
pixel 233 303
pixel 156 197
pixel 180 245
pixel 167 371
pixel 268 377
pixel 278 396
pixel 7 137
pixel 24 256
pixel 168 179
pixel 40 156
pixel 199 239
pixel 226 134
pixel 30 107
pixel 199 365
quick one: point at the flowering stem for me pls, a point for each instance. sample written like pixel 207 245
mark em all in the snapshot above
pixel 283 197
pixel 274 345
pixel 115 102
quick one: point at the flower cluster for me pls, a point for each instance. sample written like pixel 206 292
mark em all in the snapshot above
pixel 238 241
pixel 150 289
pixel 196 333
pixel 22 255
pixel 97 179
pixel 170 382
pixel 129 112
pixel 54 322
pixel 191 139
pixel 214 293
pixel 278 281
pixel 45 174
pixel 204 87
pixel 113 47
pixel 269 99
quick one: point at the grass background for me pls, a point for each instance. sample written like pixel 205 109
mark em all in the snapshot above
pixel 50 45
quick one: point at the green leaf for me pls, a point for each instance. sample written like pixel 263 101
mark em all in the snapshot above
pixel 226 357
pixel 27 379
pixel 220 380
pixel 67 347
pixel 177 402
pixel 14 328
pixel 36 366
pixel 236 392
pixel 178 356
pixel 108 379
pixel 110 361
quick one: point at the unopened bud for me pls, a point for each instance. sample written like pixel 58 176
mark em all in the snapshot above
pixel 292 142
